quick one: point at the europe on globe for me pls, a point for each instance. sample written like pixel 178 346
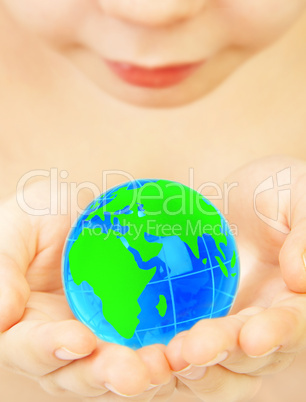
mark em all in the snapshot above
pixel 147 260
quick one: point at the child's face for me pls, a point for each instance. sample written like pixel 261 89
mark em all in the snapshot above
pixel 213 37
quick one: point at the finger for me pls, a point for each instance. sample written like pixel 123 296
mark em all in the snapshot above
pixel 219 384
pixel 281 327
pixel 38 347
pixel 293 252
pixel 165 392
pixel 217 342
pixel 111 397
pixel 155 360
pixel 159 394
pixel 110 368
pixel 183 389
pixel 208 342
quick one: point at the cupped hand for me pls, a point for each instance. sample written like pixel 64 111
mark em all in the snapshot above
pixel 40 337
pixel 225 358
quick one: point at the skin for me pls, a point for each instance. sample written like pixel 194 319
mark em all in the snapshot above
pixel 72 30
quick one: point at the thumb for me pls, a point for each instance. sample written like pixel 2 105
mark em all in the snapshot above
pixel 17 249
pixel 292 256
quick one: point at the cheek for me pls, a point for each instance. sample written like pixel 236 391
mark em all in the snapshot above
pixel 48 18
pixel 259 21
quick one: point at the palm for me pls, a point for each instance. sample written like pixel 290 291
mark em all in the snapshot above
pixel 47 307
pixel 39 315
pixel 44 272
pixel 268 316
pixel 260 285
pixel 41 239
pixel 259 243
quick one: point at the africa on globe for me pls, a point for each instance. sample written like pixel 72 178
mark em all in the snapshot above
pixel 147 260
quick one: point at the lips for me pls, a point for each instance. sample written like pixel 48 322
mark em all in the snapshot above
pixel 160 77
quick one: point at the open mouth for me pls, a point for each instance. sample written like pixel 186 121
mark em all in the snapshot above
pixel 156 77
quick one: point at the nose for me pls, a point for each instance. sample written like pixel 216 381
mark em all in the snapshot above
pixel 152 12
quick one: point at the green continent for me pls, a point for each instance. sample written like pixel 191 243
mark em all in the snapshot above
pixel 110 269
pixel 162 306
pixel 170 209
pixel 233 260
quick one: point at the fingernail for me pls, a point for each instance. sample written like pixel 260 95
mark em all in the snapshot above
pixel 186 369
pixel 111 388
pixel 267 353
pixel 304 258
pixel 151 386
pixel 218 359
pixel 191 372
pixel 65 354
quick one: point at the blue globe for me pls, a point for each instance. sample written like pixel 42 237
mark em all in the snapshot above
pixel 147 260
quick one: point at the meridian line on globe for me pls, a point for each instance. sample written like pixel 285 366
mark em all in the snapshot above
pixel 172 295
pixel 212 278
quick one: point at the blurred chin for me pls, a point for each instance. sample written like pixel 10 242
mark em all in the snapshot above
pixel 147 98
